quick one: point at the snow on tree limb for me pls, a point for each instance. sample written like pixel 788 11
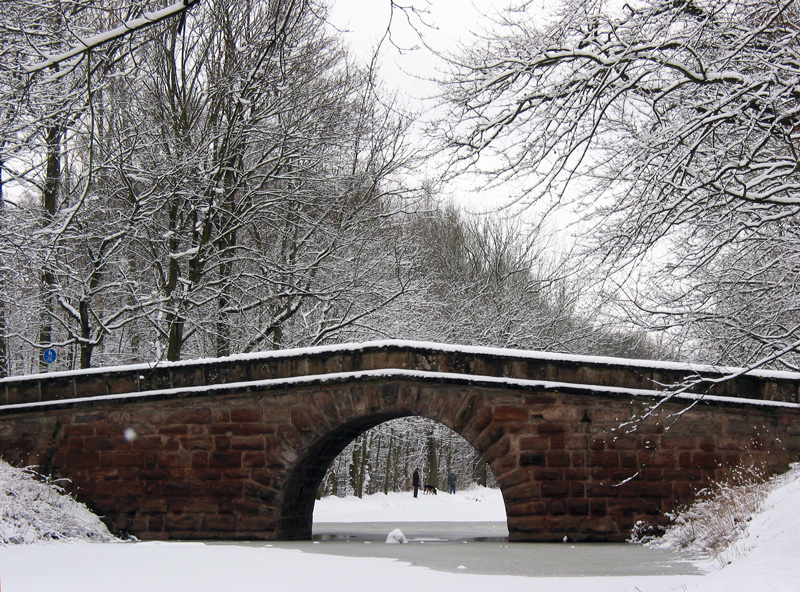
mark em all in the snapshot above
pixel 673 129
pixel 132 26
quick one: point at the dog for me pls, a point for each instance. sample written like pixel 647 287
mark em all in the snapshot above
pixel 430 489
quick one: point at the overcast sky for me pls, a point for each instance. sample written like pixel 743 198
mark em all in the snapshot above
pixel 406 64
pixel 448 21
pixel 444 24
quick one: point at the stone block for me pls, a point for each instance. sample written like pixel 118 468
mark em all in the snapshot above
pixel 555 489
pixel 181 522
pixel 549 427
pixel 530 508
pixel 97 443
pixel 578 459
pixel 558 458
pixel 704 460
pixel 82 459
pixel 187 376
pixel 246 414
pixel 527 443
pixel 532 459
pixel 252 459
pixel 655 490
pixel 182 489
pixel 227 523
pixel 169 460
pixel 548 475
pixel 225 489
pixel 527 524
pixel 225 459
pixel 247 443
pixel 503 413
pixel 578 507
pixel 523 492
pixel 186 417
pixel 604 458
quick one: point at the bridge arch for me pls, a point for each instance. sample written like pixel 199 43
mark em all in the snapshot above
pixel 330 421
pixel 304 477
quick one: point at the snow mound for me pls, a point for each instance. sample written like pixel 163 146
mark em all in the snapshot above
pixel 396 537
pixel 34 510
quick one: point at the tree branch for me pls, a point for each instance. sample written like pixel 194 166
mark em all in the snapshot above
pixel 88 43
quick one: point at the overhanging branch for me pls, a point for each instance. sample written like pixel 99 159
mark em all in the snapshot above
pixel 132 26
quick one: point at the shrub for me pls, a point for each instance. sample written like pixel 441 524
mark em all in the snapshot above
pixel 717 518
pixel 34 509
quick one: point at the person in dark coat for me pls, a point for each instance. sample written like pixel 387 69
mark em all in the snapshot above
pixel 415 481
pixel 451 480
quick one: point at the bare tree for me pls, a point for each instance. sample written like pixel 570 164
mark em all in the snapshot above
pixel 678 124
pixel 38 116
pixel 269 170
pixel 219 182
pixel 494 281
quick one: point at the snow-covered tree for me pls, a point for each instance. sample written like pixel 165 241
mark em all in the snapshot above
pixel 673 126
pixel 222 183
pixel 46 180
pixel 492 281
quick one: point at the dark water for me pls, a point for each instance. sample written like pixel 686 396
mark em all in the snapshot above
pixel 482 548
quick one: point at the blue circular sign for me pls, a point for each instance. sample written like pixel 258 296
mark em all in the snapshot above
pixel 50 355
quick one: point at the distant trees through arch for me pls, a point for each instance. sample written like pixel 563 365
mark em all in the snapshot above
pixel 382 460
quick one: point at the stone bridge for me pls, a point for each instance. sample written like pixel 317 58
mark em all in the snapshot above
pixel 235 448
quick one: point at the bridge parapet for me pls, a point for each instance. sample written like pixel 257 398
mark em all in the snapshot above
pixel 466 361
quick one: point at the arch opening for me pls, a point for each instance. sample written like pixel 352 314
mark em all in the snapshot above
pixel 382 460
pixel 377 455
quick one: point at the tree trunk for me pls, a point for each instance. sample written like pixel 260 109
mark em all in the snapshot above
pixel 4 353
pixel 50 193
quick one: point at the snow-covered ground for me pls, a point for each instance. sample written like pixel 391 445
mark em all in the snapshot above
pixel 476 505
pixel 768 560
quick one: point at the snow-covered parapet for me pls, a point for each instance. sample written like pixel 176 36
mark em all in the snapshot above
pixel 400 360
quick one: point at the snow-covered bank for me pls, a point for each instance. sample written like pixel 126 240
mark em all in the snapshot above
pixel 32 511
pixel 765 557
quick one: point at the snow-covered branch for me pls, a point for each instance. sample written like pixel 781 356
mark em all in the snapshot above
pixel 88 43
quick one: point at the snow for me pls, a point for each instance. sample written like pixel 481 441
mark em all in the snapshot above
pixel 32 510
pixel 767 561
pixel 396 537
pixel 77 50
pixel 475 505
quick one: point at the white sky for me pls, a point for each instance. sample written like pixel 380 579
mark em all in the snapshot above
pixel 407 65
pixel 410 67
pixel 443 23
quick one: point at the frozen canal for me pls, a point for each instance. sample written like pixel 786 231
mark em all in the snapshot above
pixel 481 548
pixel 467 533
